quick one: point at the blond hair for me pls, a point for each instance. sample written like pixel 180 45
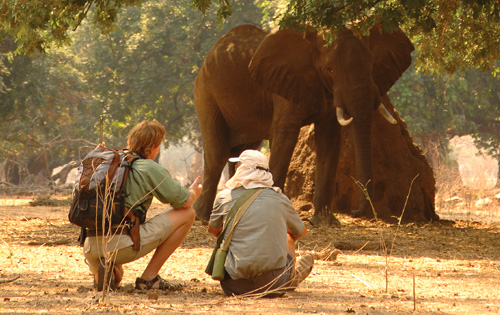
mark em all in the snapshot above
pixel 144 136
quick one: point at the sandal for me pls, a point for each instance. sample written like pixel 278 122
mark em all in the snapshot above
pixel 162 285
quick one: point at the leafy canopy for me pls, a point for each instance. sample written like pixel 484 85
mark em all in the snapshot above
pixel 37 24
pixel 449 35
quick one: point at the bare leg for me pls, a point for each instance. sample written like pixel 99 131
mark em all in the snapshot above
pixel 291 250
pixel 182 220
pixel 302 269
pixel 118 271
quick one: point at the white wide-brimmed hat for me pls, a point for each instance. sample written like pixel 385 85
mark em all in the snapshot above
pixel 253 171
pixel 252 159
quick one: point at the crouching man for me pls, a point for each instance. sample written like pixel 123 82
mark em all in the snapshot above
pixel 163 233
pixel 261 254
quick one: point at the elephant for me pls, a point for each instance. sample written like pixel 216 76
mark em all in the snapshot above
pixel 256 85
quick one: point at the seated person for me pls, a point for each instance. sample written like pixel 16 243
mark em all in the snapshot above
pixel 261 255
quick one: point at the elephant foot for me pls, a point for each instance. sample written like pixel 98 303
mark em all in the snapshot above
pixel 203 221
pixel 331 220
pixel 358 213
pixel 362 212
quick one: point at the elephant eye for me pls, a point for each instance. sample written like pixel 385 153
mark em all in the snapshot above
pixel 329 69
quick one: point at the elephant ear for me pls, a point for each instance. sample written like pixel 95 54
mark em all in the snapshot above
pixel 392 53
pixel 283 64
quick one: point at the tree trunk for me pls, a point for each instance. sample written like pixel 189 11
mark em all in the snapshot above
pixel 397 160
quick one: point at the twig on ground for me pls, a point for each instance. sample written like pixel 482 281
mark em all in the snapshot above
pixel 414 296
pixel 388 254
pixel 219 301
pixel 10 280
pixel 164 308
pixel 50 243
pixel 364 282
pixel 361 248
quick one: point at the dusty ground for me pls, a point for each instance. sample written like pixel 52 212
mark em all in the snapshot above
pixel 438 268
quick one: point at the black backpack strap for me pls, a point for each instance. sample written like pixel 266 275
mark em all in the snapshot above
pixel 125 175
pixel 134 221
pixel 83 236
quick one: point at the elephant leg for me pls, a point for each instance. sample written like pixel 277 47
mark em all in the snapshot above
pixel 216 152
pixel 211 177
pixel 327 140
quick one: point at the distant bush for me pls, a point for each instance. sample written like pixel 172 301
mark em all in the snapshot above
pixel 49 201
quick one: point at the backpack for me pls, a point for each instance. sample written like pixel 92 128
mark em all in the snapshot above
pixel 98 204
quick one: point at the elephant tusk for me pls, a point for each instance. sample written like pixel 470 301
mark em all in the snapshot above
pixel 385 113
pixel 341 117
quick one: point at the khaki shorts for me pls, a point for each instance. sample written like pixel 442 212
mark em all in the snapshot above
pixel 153 233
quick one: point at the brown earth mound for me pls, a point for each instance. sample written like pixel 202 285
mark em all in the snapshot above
pixel 397 161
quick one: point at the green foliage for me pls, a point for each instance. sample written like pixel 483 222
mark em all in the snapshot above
pixel 37 24
pixel 40 96
pixel 449 35
pixel 224 10
pixel 145 69
pixel 48 201
pixel 436 107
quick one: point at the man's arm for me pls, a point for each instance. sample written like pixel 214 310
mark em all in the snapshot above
pixel 194 192
pixel 213 230
pixel 221 208
pixel 295 238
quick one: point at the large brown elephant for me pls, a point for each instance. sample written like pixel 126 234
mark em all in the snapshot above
pixel 257 85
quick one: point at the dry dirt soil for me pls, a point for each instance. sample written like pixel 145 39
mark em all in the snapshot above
pixel 436 268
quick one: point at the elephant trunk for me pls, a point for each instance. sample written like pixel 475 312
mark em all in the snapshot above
pixel 363 153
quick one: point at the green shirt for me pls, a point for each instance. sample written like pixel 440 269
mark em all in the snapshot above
pixel 147 179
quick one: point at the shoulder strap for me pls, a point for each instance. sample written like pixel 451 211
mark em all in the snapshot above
pixel 238 216
pixel 243 198
pixel 110 174
pixel 130 158
pixel 232 212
